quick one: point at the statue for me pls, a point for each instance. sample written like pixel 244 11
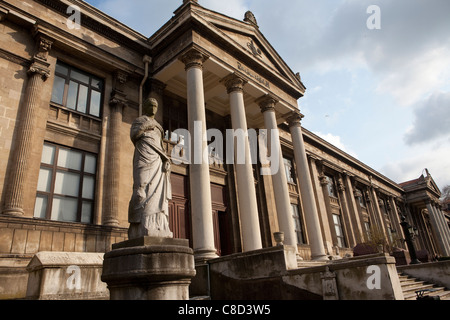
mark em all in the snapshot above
pixel 148 211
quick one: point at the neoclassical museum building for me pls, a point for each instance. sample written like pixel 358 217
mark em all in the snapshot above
pixel 70 92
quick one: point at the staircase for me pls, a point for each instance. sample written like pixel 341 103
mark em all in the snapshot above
pixel 411 285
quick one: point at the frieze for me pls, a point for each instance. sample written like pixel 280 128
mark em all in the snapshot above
pixel 255 77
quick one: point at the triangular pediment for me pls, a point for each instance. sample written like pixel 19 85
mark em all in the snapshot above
pixel 253 46
pixel 432 185
pixel 247 37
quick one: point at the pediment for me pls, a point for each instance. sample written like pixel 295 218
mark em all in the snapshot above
pixel 433 186
pixel 247 38
pixel 253 46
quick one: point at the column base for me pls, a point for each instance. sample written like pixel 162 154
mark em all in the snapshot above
pixel 203 255
pixel 320 258
pixel 149 269
pixel 17 212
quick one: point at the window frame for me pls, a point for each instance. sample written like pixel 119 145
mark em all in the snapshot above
pixel 331 186
pixel 289 170
pixel 361 198
pixel 90 88
pixel 296 216
pixel 342 243
pixel 82 173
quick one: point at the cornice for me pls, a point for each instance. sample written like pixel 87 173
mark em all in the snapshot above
pixel 98 26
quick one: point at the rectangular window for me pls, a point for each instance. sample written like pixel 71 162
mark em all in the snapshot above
pixel 338 229
pixel 298 224
pixel 66 185
pixel 331 187
pixel 77 90
pixel 361 199
pixel 368 233
pixel 288 167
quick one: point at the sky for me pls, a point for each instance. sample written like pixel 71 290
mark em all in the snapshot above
pixel 377 78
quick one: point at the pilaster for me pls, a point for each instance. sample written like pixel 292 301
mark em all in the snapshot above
pixel 118 101
pixel 38 73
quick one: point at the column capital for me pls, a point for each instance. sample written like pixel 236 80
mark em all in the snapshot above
pixel 267 103
pixel 118 100
pixel 294 118
pixel 193 58
pixel 39 68
pixel 39 65
pixel 234 82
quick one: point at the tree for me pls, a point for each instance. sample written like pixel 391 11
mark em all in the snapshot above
pixel 446 192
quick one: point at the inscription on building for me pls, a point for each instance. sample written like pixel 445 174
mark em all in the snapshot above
pixel 253 76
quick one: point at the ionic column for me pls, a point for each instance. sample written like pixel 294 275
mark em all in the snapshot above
pixel 248 206
pixel 38 73
pixel 117 104
pixel 279 179
pixel 200 182
pixel 306 188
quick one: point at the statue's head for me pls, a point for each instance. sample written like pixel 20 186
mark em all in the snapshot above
pixel 150 107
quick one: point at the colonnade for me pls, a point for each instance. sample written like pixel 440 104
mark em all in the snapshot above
pixel 203 239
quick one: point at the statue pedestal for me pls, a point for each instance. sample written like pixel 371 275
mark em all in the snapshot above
pixel 149 269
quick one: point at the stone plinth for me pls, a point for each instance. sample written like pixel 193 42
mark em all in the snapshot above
pixel 149 269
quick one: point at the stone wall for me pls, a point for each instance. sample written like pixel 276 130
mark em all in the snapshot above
pixel 273 274
pixel 435 272
pixel 21 238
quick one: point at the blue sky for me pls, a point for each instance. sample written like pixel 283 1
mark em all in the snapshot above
pixel 382 95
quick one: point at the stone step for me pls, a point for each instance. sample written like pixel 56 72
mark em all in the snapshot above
pixel 200 298
pixel 436 291
pixel 412 286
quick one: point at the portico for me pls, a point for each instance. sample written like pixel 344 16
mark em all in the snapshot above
pixel 226 67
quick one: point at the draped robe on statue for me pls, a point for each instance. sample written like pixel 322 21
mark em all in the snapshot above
pixel 148 210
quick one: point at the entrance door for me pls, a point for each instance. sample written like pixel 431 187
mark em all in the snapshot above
pixel 221 220
pixel 180 220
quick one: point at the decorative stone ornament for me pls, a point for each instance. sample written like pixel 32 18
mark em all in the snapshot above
pixel 250 18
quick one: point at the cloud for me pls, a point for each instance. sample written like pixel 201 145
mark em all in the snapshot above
pixel 337 142
pixel 409 56
pixel 432 119
pixel 433 157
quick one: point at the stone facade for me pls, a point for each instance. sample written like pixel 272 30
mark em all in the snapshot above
pixel 72 93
